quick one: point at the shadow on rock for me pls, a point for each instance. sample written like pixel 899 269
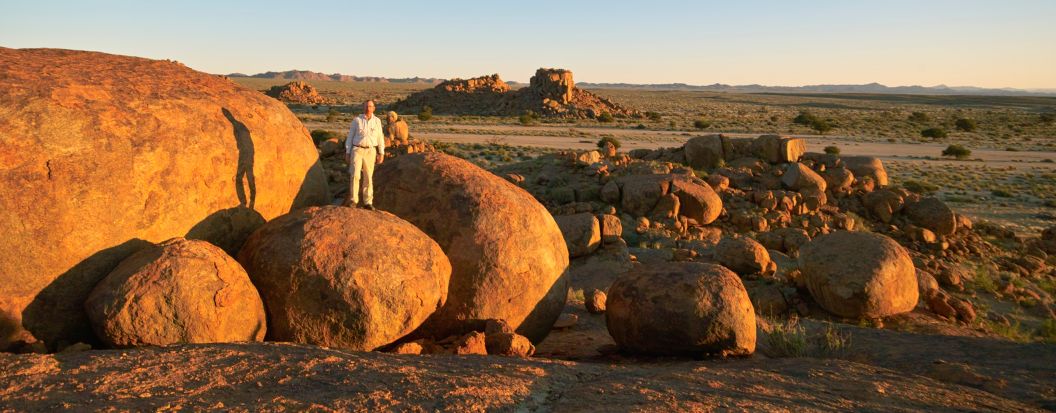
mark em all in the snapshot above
pixel 56 315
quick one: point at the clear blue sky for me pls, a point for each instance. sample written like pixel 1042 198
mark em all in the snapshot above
pixel 994 43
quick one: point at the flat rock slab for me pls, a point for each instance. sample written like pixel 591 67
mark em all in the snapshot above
pixel 276 376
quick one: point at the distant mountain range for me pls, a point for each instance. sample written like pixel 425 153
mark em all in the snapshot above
pixel 717 87
pixel 867 88
pixel 309 75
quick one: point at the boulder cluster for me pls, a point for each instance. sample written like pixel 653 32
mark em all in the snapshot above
pixel 142 253
pixel 298 92
pixel 800 231
pixel 550 92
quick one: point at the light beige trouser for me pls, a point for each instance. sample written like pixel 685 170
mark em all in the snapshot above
pixel 363 160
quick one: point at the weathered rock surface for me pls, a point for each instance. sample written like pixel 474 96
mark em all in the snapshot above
pixel 859 274
pixel 705 151
pixel 582 233
pixel 344 277
pixel 179 291
pixel 508 257
pixel 681 308
pixel 115 146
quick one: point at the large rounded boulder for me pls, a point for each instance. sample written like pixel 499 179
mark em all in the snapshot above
pixel 859 274
pixel 508 257
pixel 681 309
pixel 101 155
pixel 345 278
pixel 179 291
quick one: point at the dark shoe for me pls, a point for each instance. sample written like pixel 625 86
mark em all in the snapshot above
pixel 370 207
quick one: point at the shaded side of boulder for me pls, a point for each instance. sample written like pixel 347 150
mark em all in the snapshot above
pixel 706 151
pixel 933 214
pixel 582 233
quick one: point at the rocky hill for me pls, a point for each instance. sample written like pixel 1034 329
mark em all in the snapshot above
pixel 551 93
pixel 298 92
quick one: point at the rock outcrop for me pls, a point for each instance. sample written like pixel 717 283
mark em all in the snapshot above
pixel 551 92
pixel 681 309
pixel 479 95
pixel 859 274
pixel 179 291
pixel 124 152
pixel 344 277
pixel 297 92
pixel 508 257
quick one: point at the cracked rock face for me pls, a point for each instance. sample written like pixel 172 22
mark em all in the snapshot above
pixel 180 291
pixel 344 277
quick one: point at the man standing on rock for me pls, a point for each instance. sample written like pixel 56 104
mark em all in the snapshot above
pixel 364 147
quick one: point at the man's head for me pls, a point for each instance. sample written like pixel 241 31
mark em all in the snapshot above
pixel 368 107
pixel 392 116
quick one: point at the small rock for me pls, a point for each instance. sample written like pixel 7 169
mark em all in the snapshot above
pixel 595 302
pixel 509 344
pixel 472 343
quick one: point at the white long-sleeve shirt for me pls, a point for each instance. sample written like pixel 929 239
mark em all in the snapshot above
pixel 365 132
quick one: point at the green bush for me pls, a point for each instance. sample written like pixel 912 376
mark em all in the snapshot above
pixel 331 115
pixel 426 113
pixel 821 126
pixel 528 117
pixel 701 124
pixel 919 117
pixel 640 127
pixel 805 118
pixel 965 125
pixel 1002 193
pixel 957 151
pixel 1047 117
pixel 605 117
pixel 934 133
pixel 653 116
pixel 615 142
pixel 832 150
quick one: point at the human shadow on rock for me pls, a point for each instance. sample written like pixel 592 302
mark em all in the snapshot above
pixel 244 172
